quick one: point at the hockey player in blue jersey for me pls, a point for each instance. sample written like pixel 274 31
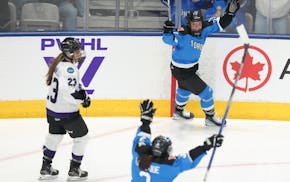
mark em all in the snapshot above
pixel 154 162
pixel 187 46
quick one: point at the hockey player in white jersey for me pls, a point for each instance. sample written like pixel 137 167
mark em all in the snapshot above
pixel 62 107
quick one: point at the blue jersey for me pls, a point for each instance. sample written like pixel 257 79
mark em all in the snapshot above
pixel 160 172
pixel 141 138
pixel 186 47
pixel 186 7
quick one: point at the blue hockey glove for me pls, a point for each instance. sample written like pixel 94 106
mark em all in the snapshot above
pixel 213 141
pixel 147 111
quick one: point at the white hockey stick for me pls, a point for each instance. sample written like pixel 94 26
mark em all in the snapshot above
pixel 169 10
pixel 246 41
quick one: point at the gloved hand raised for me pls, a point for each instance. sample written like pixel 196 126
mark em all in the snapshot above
pixel 233 7
pixel 168 26
pixel 147 111
pixel 215 140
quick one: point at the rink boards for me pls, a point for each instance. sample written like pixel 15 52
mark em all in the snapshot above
pixel 121 70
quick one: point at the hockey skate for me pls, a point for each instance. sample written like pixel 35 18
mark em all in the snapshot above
pixel 75 173
pixel 182 114
pixel 47 172
pixel 213 120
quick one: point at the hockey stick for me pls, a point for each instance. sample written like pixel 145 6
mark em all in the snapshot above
pixel 244 37
pixel 169 10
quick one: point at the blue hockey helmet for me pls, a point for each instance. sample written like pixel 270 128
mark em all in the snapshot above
pixel 161 146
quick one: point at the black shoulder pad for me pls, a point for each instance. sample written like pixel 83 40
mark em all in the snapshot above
pixel 206 24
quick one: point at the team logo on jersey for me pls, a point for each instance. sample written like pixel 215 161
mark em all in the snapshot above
pixel 70 70
pixel 256 71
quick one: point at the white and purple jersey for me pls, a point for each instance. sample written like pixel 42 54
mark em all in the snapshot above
pixel 65 81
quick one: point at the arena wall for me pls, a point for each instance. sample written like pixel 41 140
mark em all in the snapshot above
pixel 121 70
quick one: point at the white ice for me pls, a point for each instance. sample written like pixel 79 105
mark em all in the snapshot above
pixel 253 151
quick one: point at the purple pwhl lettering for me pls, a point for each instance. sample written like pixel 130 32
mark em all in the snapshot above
pixel 46 43
pixel 99 47
pixel 94 44
pixel 87 44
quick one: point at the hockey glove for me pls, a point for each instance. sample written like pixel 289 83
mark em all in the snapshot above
pixel 81 94
pixel 233 7
pixel 213 141
pixel 87 102
pixel 147 111
pixel 168 26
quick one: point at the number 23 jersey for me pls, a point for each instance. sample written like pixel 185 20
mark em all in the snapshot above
pixel 65 81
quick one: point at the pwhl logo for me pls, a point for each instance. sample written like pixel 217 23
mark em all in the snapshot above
pixel 94 64
pixel 256 71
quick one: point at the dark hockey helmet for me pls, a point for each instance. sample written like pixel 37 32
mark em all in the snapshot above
pixel 194 16
pixel 161 146
pixel 194 22
pixel 69 45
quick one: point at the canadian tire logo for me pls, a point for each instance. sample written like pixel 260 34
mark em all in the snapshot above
pixel 256 71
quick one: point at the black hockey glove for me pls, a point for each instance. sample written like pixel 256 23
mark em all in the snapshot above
pixel 81 94
pixel 168 26
pixel 87 102
pixel 233 7
pixel 213 141
pixel 147 111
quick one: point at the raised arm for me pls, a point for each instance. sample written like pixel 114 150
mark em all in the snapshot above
pixel 142 140
pixel 194 156
pixel 232 8
pixel 168 35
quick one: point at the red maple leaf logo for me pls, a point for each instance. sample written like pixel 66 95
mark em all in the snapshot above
pixel 250 70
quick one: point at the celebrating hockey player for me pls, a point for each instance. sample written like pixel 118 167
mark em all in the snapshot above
pixel 62 106
pixel 187 45
pixel 154 162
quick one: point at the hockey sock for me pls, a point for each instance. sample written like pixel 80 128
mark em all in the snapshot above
pixel 48 153
pixel 77 158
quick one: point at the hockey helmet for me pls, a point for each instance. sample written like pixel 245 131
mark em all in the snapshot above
pixel 69 45
pixel 195 22
pixel 194 16
pixel 161 146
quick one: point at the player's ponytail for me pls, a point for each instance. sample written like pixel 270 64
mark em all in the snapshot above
pixel 145 161
pixel 52 67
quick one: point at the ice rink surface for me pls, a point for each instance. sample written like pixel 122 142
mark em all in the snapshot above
pixel 253 151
